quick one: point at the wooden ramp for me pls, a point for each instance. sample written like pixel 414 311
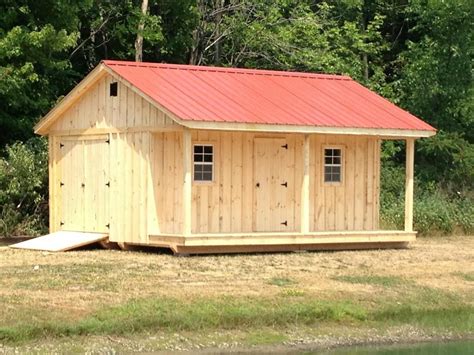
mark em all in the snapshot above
pixel 61 241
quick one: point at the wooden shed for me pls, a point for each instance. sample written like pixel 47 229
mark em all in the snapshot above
pixel 205 159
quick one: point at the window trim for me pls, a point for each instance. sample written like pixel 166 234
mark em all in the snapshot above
pixel 323 165
pixel 212 164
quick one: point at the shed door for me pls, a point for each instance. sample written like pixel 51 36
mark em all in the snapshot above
pixel 85 185
pixel 272 211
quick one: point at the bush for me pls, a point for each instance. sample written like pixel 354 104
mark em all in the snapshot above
pixel 434 211
pixel 24 188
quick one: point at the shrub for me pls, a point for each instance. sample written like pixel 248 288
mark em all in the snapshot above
pixel 23 188
pixel 434 210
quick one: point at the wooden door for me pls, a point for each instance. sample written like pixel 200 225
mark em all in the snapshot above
pixel 272 212
pixel 84 185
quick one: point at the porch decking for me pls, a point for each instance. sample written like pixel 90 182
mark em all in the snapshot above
pixel 260 242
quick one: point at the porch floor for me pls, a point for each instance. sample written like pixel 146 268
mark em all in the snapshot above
pixel 274 241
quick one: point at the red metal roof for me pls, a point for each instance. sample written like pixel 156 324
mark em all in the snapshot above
pixel 212 94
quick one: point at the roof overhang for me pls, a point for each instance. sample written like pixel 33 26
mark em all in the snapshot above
pixel 101 70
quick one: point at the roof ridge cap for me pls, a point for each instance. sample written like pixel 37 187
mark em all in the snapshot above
pixel 232 70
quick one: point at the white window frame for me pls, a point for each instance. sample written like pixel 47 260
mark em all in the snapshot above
pixel 341 165
pixel 202 144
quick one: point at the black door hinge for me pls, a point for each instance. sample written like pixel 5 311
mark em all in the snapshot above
pixel 61 223
pixel 108 225
pixel 107 184
pixel 107 141
pixel 61 145
pixel 285 223
pixel 284 184
pixel 285 146
pixel 61 184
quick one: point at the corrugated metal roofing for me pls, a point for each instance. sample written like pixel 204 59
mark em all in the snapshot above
pixel 211 94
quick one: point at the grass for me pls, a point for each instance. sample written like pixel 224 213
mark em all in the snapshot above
pixel 281 281
pixel 465 276
pixel 173 315
pixel 386 281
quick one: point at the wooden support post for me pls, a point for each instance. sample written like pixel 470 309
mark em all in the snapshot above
pixel 187 169
pixel 410 161
pixel 305 186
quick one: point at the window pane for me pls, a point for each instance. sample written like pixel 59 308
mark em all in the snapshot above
pixel 207 176
pixel 336 152
pixel 327 177
pixel 198 149
pixel 207 168
pixel 197 176
pixel 198 168
pixel 208 149
pixel 336 160
pixel 208 158
pixel 327 160
pixel 198 157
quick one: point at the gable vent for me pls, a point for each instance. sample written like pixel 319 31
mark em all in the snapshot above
pixel 113 89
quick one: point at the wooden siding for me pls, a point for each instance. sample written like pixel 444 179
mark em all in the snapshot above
pixel 130 175
pixel 166 187
pixel 354 203
pixel 97 109
pixel 233 204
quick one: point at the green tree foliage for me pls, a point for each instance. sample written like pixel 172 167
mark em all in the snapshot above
pixel 435 82
pixel 23 188
pixel 34 40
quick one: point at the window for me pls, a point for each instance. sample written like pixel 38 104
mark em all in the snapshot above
pixel 113 89
pixel 203 159
pixel 332 165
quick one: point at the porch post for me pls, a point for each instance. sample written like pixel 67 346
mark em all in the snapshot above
pixel 187 169
pixel 305 186
pixel 410 161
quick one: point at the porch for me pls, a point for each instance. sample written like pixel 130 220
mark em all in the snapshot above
pixel 268 242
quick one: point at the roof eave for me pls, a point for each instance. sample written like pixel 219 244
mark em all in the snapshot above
pixel 280 128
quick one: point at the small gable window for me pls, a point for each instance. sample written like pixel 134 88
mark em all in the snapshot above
pixel 203 158
pixel 113 89
pixel 332 165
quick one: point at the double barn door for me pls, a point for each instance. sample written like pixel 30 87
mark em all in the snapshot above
pixel 84 184
pixel 273 189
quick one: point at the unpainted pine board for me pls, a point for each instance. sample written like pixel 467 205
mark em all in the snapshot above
pixel 179 171
pixel 157 173
pixel 138 112
pixel 226 181
pixel 377 185
pixel 236 182
pixel 360 182
pixel 60 241
pixel 247 182
pixel 368 216
pixel 298 180
pixel 213 199
pixel 349 176
pixel 340 190
pixel 100 109
pixel 145 161
pixel 291 190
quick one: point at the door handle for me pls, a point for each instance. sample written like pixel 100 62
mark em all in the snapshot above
pixel 257 184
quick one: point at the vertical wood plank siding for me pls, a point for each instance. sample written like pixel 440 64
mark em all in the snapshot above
pixel 228 204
